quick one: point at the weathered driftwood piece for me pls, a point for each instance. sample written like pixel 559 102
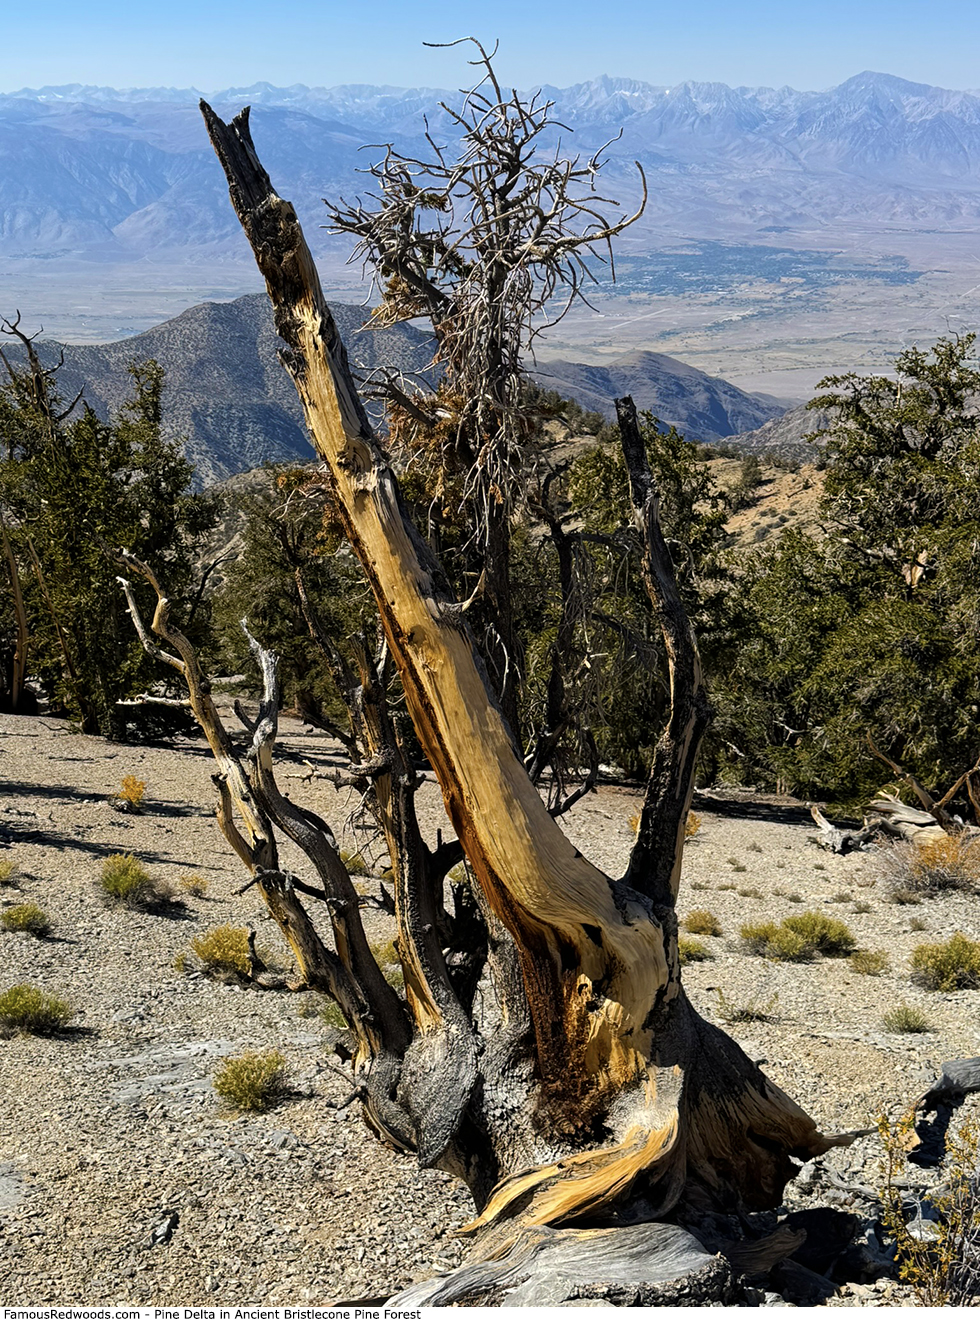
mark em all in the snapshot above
pixel 916 824
pixel 840 841
pixel 558 1068
pixel 937 808
pixel 633 1266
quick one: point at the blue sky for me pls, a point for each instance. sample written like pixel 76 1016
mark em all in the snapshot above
pixel 211 44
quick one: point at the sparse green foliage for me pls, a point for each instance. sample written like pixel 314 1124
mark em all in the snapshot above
pixel 828 935
pixel 253 1081
pixel 692 951
pixel 947 965
pixel 8 871
pixel 702 922
pixel 332 1015
pixel 25 918
pixel 906 1019
pixel 775 941
pixel 125 882
pixel 223 951
pixel 869 962
pixel 27 1009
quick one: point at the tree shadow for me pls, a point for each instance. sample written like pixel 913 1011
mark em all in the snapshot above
pixel 754 810
pixel 15 835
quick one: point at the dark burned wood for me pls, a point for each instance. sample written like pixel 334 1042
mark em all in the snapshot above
pixel 654 866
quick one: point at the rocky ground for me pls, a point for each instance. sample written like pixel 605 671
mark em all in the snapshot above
pixel 122 1178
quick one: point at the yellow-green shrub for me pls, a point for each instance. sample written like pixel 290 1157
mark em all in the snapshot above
pixel 125 882
pixel 947 966
pixel 828 935
pixel 775 941
pixel 27 1009
pixel 223 950
pixel 702 922
pixel 691 951
pixel 25 918
pixel 869 962
pixel 254 1081
pixel 906 1019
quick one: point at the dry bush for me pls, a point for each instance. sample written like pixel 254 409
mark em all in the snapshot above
pixel 869 962
pixel 702 922
pixel 828 935
pixel 254 1081
pixel 26 918
pixel 27 1009
pixel 947 965
pixel 8 870
pixel 692 825
pixel 355 863
pixel 775 941
pixel 753 1010
pixel 131 793
pixel 194 885
pixel 750 893
pixel 692 951
pixel 223 951
pixel 943 1269
pixel 947 863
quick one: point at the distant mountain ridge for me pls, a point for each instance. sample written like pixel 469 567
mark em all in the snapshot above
pixel 229 399
pixel 111 173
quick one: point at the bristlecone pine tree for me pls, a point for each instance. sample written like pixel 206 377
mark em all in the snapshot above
pixel 544 1050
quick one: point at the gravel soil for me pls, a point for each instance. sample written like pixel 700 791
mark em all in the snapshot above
pixel 123 1180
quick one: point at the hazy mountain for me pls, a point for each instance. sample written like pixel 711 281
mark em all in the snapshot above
pixel 228 397
pixel 226 394
pixel 703 407
pixel 108 173
pixel 784 437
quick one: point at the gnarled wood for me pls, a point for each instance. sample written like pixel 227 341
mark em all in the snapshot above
pixel 579 1072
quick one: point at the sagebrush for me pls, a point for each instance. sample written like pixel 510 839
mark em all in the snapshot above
pixel 253 1081
pixel 27 1009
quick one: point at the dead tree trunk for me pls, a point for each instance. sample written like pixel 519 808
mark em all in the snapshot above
pixel 568 1074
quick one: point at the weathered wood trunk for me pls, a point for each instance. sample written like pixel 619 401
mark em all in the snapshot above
pixel 569 1074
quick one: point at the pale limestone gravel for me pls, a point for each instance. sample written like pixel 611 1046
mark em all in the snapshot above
pixel 107 1132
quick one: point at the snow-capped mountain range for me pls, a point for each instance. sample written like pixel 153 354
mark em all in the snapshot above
pixel 106 175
